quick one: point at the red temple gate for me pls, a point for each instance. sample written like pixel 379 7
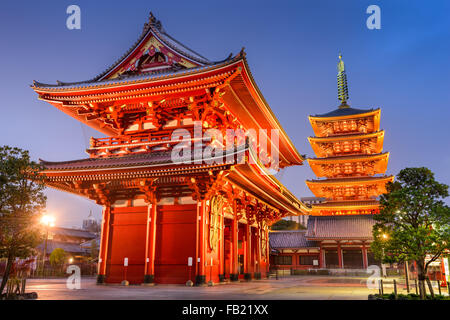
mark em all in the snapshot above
pixel 159 212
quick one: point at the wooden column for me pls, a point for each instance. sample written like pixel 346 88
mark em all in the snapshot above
pixel 258 252
pixel 222 249
pixel 150 250
pixel 321 259
pixel 364 256
pixel 201 271
pixel 104 240
pixel 339 252
pixel 248 252
pixel 234 272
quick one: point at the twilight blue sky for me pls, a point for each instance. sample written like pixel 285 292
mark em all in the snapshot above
pixel 292 49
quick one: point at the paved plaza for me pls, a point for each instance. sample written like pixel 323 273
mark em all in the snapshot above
pixel 286 288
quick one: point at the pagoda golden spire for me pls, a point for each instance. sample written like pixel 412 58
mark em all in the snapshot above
pixel 342 83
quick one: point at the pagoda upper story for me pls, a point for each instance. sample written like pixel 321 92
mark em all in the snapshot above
pixel 349 150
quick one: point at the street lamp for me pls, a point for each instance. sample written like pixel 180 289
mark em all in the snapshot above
pixel 47 221
pixel 383 267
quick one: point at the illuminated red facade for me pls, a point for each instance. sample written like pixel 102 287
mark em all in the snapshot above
pixel 159 213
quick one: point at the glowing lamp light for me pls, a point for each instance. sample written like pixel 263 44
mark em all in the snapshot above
pixel 70 260
pixel 48 220
pixel 385 236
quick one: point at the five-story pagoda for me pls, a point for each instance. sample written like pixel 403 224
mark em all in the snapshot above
pixel 348 145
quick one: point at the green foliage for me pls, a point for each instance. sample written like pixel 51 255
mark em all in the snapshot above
pixel 410 296
pixel 21 201
pixel 287 225
pixel 414 219
pixel 58 257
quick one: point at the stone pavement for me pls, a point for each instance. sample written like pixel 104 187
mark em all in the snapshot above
pixel 286 288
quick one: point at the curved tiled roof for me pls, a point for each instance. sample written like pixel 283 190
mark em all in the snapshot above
pixel 351 157
pixel 340 112
pixel 290 239
pixel 348 203
pixel 119 161
pixel 340 227
pixel 155 28
pixel 72 233
pixel 350 179
pixel 69 247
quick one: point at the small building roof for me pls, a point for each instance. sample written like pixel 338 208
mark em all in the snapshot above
pixel 358 227
pixel 76 233
pixel 68 247
pixel 290 239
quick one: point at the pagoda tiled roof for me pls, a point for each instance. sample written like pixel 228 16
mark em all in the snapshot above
pixel 340 227
pixel 348 203
pixel 351 179
pixel 344 158
pixel 348 136
pixel 340 112
pixel 290 239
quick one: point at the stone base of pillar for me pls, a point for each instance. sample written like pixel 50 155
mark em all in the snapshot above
pixel 200 280
pixel 257 275
pixel 149 278
pixel 248 276
pixel 101 279
pixel 221 277
pixel 234 277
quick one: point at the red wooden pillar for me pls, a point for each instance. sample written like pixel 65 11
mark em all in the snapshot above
pixel 248 252
pixel 339 252
pixel 104 240
pixel 222 249
pixel 321 259
pixel 364 256
pixel 201 270
pixel 234 271
pixel 258 252
pixel 150 250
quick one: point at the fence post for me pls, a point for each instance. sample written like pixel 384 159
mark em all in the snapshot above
pixel 439 287
pixel 395 289
pixel 448 287
pixel 415 284
pixel 382 289
pixel 407 276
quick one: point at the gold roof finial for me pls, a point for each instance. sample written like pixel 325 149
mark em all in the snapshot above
pixel 342 83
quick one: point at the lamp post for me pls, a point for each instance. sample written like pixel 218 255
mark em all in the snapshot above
pixel 383 267
pixel 47 221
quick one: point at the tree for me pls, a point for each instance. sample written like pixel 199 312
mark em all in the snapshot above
pixel 58 257
pixel 21 201
pixel 286 225
pixel 414 222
